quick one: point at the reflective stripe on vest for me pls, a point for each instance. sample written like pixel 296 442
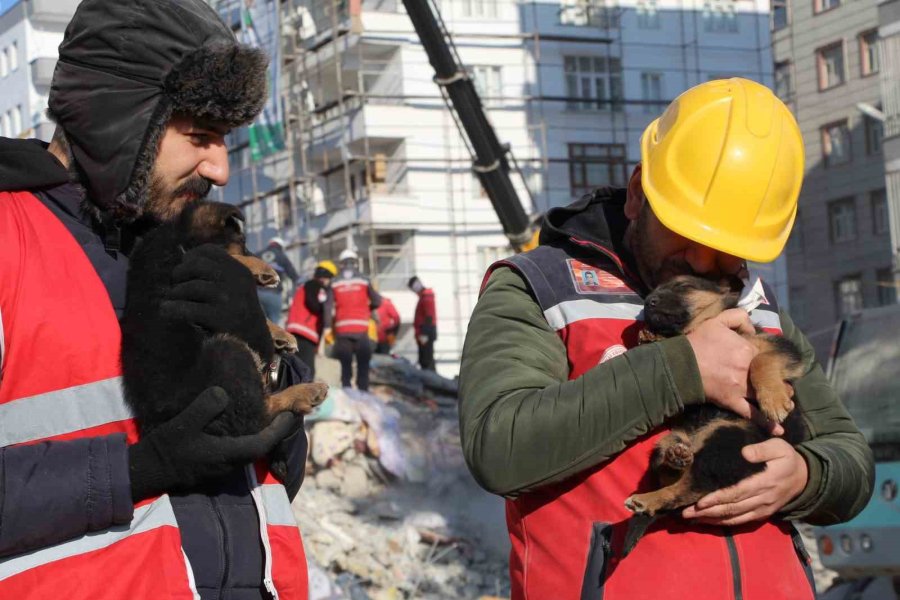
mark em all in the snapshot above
pixel 303 331
pixel 565 537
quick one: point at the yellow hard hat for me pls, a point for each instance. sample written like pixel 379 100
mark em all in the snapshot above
pixel 723 167
pixel 328 266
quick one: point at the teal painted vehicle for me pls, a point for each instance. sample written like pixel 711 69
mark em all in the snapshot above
pixel 864 368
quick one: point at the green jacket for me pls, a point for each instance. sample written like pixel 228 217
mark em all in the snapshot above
pixel 524 425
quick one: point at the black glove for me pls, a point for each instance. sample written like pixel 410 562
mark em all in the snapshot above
pixel 213 291
pixel 179 455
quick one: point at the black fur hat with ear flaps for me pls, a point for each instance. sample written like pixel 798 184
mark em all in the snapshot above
pixel 125 66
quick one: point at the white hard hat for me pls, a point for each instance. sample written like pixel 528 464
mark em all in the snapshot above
pixel 278 240
pixel 348 254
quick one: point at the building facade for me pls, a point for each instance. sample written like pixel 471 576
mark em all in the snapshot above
pixel 373 156
pixel 827 67
pixel 889 34
pixel 30 33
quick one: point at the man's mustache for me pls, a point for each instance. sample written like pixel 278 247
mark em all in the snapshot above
pixel 196 186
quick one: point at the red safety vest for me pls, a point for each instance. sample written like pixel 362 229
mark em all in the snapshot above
pixel 303 322
pixel 352 309
pixel 55 310
pixel 425 308
pixel 566 538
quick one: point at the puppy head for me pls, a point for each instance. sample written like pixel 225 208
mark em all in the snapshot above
pixel 214 223
pixel 682 303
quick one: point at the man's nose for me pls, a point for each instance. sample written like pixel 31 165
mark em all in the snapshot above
pixel 214 164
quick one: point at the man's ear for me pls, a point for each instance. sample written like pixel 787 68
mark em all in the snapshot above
pixel 635 199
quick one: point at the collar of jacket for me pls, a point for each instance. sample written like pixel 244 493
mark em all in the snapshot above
pixel 597 223
pixel 26 165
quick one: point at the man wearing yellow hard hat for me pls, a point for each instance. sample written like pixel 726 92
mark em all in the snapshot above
pixel 310 312
pixel 560 408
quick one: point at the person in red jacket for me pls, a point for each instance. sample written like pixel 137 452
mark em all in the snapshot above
pixel 355 300
pixel 388 325
pixel 425 323
pixel 310 312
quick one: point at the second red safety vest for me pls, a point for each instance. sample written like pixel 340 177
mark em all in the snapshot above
pixel 566 537
pixel 352 309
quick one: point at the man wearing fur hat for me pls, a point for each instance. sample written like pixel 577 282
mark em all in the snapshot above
pixel 143 95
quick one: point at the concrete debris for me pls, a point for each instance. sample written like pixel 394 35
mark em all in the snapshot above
pixel 388 510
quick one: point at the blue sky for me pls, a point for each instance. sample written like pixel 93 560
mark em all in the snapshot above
pixel 5 5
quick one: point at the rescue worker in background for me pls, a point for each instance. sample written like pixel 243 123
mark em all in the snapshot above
pixel 560 409
pixel 425 323
pixel 272 299
pixel 388 326
pixel 89 509
pixel 355 301
pixel 311 312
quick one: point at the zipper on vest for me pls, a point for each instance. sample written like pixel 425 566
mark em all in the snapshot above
pixel 225 557
pixel 256 494
pixel 735 565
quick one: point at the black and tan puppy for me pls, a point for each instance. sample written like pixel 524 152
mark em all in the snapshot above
pixel 702 452
pixel 167 364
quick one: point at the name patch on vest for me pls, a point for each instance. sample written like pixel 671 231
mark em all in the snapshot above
pixel 592 280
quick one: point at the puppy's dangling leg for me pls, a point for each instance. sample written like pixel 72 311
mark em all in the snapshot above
pixel 263 274
pixel 672 456
pixel 284 341
pixel 668 498
pixel 301 398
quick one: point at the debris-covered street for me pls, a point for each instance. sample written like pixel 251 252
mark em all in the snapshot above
pixel 388 509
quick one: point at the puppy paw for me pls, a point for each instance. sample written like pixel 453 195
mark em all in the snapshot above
pixel 633 504
pixel 776 404
pixel 678 456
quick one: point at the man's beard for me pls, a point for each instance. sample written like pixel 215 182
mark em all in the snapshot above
pixel 164 204
pixel 645 256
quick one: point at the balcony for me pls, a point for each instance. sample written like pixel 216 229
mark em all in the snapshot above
pixel 51 12
pixel 42 71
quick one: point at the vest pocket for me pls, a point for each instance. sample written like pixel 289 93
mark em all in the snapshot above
pixel 805 559
pixel 597 562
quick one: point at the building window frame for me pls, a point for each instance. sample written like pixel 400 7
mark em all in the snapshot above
pixel 868 53
pixel 848 295
pixel 822 66
pixel 786 67
pixel 488 82
pixel 874 134
pixel 589 13
pixel 828 143
pixel 479 9
pixel 842 221
pixel 588 159
pixel 653 91
pixel 720 16
pixel 880 216
pixel 778 25
pixel 886 286
pixel 820 8
pixel 592 83
pixel 647 14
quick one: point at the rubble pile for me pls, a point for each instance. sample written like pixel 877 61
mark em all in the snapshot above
pixel 388 510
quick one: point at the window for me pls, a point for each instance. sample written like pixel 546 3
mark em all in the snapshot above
pixel 285 214
pixel 779 14
pixel 719 16
pixel 595 165
pixel 647 15
pixel 784 81
pixel 880 222
pixel 488 84
pixel 823 5
pixel 13 57
pixel 4 125
pixel 479 8
pixel 868 53
pixel 593 82
pixel 848 293
pixel 874 133
pixel 4 63
pixel 830 64
pixel 842 220
pixel 652 92
pixel 593 13
pixel 887 286
pixel 836 144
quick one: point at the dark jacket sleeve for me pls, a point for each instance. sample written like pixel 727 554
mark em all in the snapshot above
pixel 54 491
pixel 374 298
pixel 524 425
pixel 311 297
pixel 285 263
pixel 840 462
